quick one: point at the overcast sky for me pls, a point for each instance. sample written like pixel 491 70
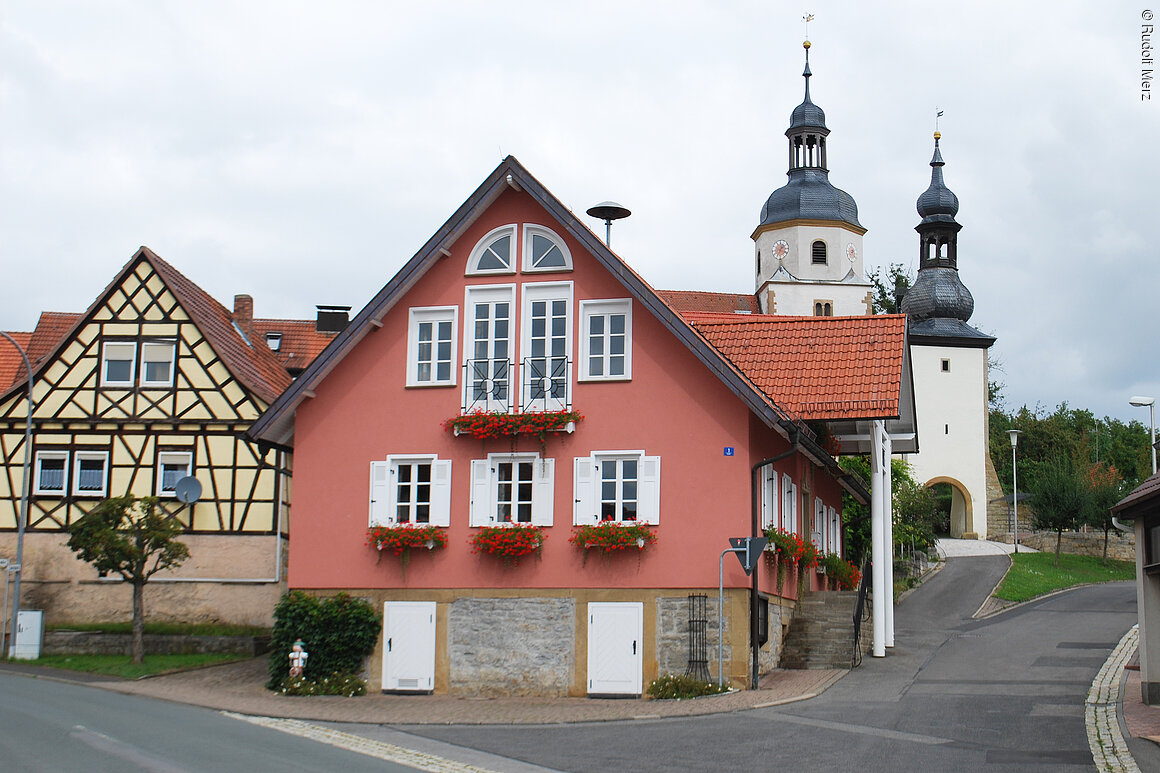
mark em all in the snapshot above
pixel 302 152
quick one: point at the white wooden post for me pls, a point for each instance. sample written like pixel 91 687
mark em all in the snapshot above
pixel 888 523
pixel 878 555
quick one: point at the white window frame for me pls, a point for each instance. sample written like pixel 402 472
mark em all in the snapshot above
pixel 481 247
pixel 769 497
pixel 586 482
pixel 606 309
pixel 146 348
pixel 78 457
pixel 490 294
pixel 171 457
pixel 547 292
pixel 434 315
pixel 789 492
pixel 835 527
pixel 485 489
pixel 819 533
pixel 384 510
pixel 530 231
pixel 64 481
pixel 105 359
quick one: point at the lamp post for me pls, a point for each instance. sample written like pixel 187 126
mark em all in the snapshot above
pixel 1014 434
pixel 1140 402
pixel 23 517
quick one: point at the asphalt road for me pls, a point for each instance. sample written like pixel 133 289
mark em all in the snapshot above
pixel 954 694
pixel 53 726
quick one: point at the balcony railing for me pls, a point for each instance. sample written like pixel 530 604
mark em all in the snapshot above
pixel 489 386
pixel 545 385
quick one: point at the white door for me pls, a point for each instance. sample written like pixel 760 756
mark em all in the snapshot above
pixel 409 646
pixel 615 648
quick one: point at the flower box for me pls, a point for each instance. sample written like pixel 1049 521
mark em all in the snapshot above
pixel 509 543
pixel 484 425
pixel 611 536
pixel 401 538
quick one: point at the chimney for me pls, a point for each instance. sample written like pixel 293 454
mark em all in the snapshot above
pixel 332 319
pixel 244 314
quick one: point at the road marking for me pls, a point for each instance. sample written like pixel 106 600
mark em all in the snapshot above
pixel 355 743
pixel 122 751
pixel 878 732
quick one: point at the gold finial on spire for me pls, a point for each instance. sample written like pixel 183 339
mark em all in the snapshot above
pixel 809 17
pixel 937 115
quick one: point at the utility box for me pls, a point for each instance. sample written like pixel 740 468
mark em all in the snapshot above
pixel 29 634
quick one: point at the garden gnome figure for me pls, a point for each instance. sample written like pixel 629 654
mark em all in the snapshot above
pixel 298 658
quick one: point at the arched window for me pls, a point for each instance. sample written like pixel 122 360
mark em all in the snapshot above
pixel 544 250
pixel 818 252
pixel 494 253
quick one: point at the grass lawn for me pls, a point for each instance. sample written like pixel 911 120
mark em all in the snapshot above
pixel 122 665
pixel 1034 574
pixel 189 629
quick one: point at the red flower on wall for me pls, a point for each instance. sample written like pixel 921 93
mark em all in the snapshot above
pixel 510 543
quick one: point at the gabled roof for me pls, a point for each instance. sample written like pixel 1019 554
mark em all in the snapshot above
pixel 818 368
pixel 695 300
pixel 11 363
pixel 302 341
pixel 254 366
pixel 1143 501
pixel 276 425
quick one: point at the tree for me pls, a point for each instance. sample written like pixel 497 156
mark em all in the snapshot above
pixel 1106 489
pixel 1061 498
pixel 133 538
pixel 916 513
pixel 889 288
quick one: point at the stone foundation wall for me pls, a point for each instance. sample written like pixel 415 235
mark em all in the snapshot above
pixel 98 643
pixel 1121 545
pixel 511 646
pixel 225 580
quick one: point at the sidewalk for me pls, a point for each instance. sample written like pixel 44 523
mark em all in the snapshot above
pixel 238 687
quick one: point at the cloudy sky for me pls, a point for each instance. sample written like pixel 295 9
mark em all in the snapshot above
pixel 302 152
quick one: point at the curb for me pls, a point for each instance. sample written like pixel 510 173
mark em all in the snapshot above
pixel 1108 746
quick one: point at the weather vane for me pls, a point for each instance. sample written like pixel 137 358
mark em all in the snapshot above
pixel 937 115
pixel 809 17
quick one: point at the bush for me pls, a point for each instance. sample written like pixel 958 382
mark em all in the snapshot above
pixel 339 632
pixel 346 685
pixel 672 686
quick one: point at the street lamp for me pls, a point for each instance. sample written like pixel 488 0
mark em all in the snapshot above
pixel 1014 433
pixel 23 516
pixel 1140 402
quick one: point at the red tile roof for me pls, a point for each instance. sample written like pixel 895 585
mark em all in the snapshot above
pixel 816 367
pixel 301 340
pixel 725 303
pixel 11 363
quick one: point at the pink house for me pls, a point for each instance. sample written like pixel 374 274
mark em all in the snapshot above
pixel 515 307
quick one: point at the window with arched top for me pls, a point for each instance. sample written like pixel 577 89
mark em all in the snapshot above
pixel 494 253
pixel 818 252
pixel 544 250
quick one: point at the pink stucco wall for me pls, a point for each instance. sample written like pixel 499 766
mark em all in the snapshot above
pixel 673 408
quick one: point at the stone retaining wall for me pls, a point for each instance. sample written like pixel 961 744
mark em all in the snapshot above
pixel 99 643
pixel 1121 545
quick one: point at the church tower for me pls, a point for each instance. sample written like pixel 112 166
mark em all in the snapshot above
pixel 809 241
pixel 949 362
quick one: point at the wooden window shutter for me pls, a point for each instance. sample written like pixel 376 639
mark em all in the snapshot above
pixel 381 498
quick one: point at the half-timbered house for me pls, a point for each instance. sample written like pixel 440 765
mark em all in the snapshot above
pixel 515 312
pixel 155 382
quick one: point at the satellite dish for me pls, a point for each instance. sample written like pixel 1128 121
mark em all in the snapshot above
pixel 187 490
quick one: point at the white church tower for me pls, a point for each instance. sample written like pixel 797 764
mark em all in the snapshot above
pixel 949 362
pixel 809 242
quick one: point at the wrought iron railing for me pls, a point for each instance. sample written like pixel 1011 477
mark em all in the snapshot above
pixel 488 385
pixel 544 384
pixel 863 609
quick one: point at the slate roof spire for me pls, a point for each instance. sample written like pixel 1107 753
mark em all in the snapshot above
pixel 808 194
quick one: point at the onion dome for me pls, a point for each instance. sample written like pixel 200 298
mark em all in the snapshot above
pixel 808 194
pixel 938 293
pixel 937 202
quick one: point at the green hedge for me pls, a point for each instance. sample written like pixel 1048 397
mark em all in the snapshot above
pixel 338 632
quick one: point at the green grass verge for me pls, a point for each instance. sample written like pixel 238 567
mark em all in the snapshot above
pixel 1034 574
pixel 200 629
pixel 123 667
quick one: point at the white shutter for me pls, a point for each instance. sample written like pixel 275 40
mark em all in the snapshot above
pixel 648 490
pixel 543 491
pixel 480 492
pixel 441 492
pixel 768 496
pixel 835 532
pixel 381 494
pixel 819 526
pixel 583 491
pixel 793 513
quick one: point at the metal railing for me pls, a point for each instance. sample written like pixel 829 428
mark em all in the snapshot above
pixel 488 385
pixel 544 384
pixel 862 611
